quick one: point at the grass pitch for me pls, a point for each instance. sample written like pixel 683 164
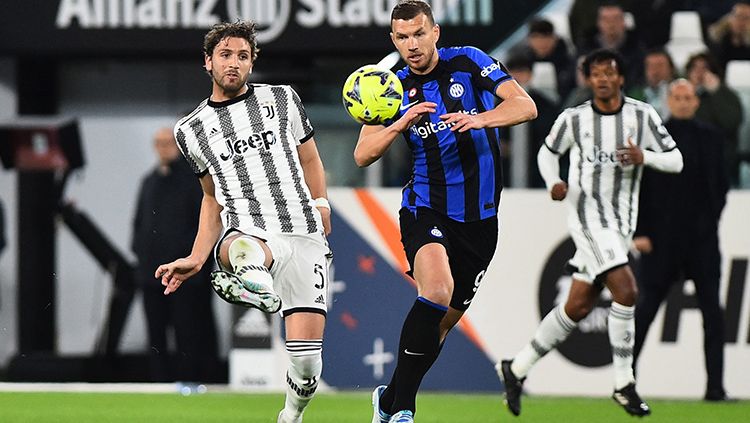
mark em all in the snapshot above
pixel 348 407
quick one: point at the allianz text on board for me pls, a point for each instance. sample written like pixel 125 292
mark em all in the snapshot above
pixel 271 15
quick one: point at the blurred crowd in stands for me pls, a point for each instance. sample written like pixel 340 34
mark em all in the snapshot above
pixel 704 41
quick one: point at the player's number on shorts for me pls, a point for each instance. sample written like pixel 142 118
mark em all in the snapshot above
pixel 319 271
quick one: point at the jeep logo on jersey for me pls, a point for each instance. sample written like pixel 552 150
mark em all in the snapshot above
pixel 600 156
pixel 588 344
pixel 262 140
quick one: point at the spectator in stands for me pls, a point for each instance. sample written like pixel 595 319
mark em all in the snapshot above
pixel 582 91
pixel 166 221
pixel 719 106
pixel 657 16
pixel 730 36
pixel 519 67
pixel 582 18
pixel 659 71
pixel 677 230
pixel 543 45
pixel 612 34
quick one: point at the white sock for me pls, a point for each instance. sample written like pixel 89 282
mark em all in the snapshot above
pixel 305 367
pixel 621 322
pixel 247 259
pixel 554 328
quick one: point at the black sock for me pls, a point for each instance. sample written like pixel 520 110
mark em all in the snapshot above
pixel 418 349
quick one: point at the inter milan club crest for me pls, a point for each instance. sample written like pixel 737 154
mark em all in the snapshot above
pixel 412 92
pixel 456 90
pixel 269 111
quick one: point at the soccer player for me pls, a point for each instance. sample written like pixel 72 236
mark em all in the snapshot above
pixel 610 139
pixel 449 207
pixel 264 202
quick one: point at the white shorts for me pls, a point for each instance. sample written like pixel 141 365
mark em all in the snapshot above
pixel 598 251
pixel 300 270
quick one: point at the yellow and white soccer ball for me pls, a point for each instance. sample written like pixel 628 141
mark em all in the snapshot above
pixel 372 95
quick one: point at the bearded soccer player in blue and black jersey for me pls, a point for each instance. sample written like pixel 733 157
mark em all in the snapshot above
pixel 449 207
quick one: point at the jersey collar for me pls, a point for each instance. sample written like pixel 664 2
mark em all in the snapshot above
pixel 225 103
pixel 599 111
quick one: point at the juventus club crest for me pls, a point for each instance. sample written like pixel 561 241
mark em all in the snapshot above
pixel 268 110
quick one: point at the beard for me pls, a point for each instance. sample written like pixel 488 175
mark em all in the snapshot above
pixel 230 88
pixel 427 62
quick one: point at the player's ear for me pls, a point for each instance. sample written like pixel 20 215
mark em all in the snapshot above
pixel 436 30
pixel 207 64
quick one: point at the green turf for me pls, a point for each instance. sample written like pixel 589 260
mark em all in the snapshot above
pixel 338 408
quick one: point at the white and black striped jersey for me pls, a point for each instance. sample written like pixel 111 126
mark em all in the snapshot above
pixel 249 146
pixel 601 191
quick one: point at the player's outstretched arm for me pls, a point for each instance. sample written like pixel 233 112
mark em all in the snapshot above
pixel 374 140
pixel 209 228
pixel 315 178
pixel 516 107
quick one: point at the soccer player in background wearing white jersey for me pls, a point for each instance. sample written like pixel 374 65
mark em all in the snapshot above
pixel 264 211
pixel 610 139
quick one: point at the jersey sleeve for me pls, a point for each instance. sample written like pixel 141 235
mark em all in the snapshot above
pixel 655 135
pixel 194 157
pixel 301 127
pixel 487 72
pixel 560 137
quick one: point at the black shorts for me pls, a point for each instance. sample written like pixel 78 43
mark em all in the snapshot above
pixel 470 247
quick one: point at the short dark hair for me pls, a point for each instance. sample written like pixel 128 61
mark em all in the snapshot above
pixel 239 29
pixel 711 62
pixel 409 9
pixel 603 55
pixel 518 62
pixel 660 51
pixel 541 27
pixel 610 3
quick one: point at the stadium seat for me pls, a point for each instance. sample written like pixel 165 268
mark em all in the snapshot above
pixel 685 38
pixel 738 74
pixel 686 25
pixel 544 79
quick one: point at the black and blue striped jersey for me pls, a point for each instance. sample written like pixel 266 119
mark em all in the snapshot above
pixel 456 174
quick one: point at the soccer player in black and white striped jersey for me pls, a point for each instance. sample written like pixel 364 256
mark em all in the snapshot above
pixel 610 139
pixel 264 211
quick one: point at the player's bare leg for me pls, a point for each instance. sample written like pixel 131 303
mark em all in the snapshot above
pixel 249 283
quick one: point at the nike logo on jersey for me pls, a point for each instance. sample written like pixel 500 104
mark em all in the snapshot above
pixel 467 302
pixel 406 106
pixel 407 352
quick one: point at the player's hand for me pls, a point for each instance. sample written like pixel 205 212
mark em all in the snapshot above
pixel 559 191
pixel 462 122
pixel 630 154
pixel 175 273
pixel 412 115
pixel 643 244
pixel 325 215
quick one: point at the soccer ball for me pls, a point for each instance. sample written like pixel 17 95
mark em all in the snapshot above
pixel 372 95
